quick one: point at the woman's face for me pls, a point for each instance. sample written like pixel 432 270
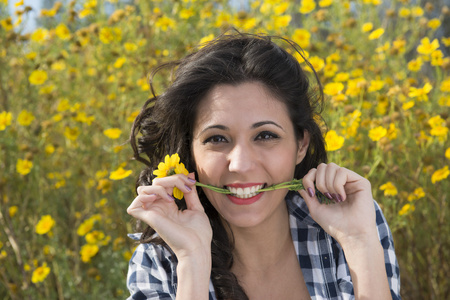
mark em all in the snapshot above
pixel 244 140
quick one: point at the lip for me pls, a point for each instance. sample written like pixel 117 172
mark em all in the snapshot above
pixel 247 201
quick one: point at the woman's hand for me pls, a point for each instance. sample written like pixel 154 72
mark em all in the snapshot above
pixel 352 217
pixel 188 233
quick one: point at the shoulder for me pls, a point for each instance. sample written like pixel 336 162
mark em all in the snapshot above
pixel 149 255
pixel 152 271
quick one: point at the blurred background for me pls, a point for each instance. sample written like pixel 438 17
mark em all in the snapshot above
pixel 74 75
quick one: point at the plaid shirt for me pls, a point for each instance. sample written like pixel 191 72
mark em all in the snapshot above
pixel 152 269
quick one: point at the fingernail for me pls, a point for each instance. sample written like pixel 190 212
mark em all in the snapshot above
pixel 340 199
pixel 188 188
pixel 192 180
pixel 311 192
pixel 171 197
pixel 328 195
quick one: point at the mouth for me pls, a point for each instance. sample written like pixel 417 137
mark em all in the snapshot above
pixel 245 192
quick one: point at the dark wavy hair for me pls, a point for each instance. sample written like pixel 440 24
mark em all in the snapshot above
pixel 166 121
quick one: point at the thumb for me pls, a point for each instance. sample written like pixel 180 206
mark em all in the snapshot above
pixel 191 198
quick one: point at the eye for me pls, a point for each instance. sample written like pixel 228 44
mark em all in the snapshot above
pixel 266 136
pixel 215 139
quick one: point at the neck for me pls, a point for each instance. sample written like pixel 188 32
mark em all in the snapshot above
pixel 258 249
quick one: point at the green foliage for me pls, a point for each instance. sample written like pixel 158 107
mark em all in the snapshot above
pixel 69 92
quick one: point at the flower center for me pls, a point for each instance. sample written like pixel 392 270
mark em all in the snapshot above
pixel 171 172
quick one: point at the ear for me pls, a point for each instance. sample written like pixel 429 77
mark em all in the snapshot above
pixel 303 145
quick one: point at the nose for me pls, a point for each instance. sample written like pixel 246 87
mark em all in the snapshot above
pixel 241 159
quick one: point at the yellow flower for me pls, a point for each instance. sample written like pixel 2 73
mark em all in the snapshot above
pixel 325 3
pixel 24 166
pixel 63 105
pixel 426 47
pixel 169 167
pixel 404 12
pixel 120 173
pixel 5 120
pixel 434 23
pixel 112 133
pixel 376 85
pixel 85 227
pixel 419 193
pixel 95 237
pixel 130 47
pixel 415 65
pixel 71 133
pixel 281 21
pixel 38 77
pixel 445 85
pixel 408 105
pixel 85 12
pixel 25 118
pixel 440 174
pixel 39 35
pixel 40 273
pixel 437 58
pixel 45 224
pixel 12 211
pixel 106 35
pixel 301 37
pixel 436 121
pixel 367 27
pixel 376 34
pixel 307 6
pixel 7 24
pixel 45 90
pixel 446 41
pixel 119 62
pixel 165 23
pixel 389 189
pixel 341 77
pixel 392 132
pixel 420 93
pixel 417 11
pixel 333 141
pixel 104 185
pixel 317 63
pixel 377 133
pixel 62 32
pixel 406 209
pixel 281 8
pixel 440 131
pixel 186 13
pixel 88 251
pixel 333 88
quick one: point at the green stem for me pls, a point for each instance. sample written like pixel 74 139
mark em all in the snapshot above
pixel 293 185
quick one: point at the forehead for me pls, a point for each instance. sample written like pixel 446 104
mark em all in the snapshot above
pixel 247 102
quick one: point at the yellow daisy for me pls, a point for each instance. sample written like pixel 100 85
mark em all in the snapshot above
pixel 169 167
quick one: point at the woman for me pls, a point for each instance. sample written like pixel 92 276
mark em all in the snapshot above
pixel 241 115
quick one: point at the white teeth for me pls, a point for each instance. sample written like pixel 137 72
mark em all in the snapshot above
pixel 245 193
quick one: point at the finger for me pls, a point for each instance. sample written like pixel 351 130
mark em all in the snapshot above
pixel 180 181
pixel 192 200
pixel 340 180
pixel 321 181
pixel 330 175
pixel 141 202
pixel 161 191
pixel 308 182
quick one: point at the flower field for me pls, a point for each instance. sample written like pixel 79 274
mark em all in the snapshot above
pixel 70 89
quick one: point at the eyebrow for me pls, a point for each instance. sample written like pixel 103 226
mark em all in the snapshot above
pixel 254 126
